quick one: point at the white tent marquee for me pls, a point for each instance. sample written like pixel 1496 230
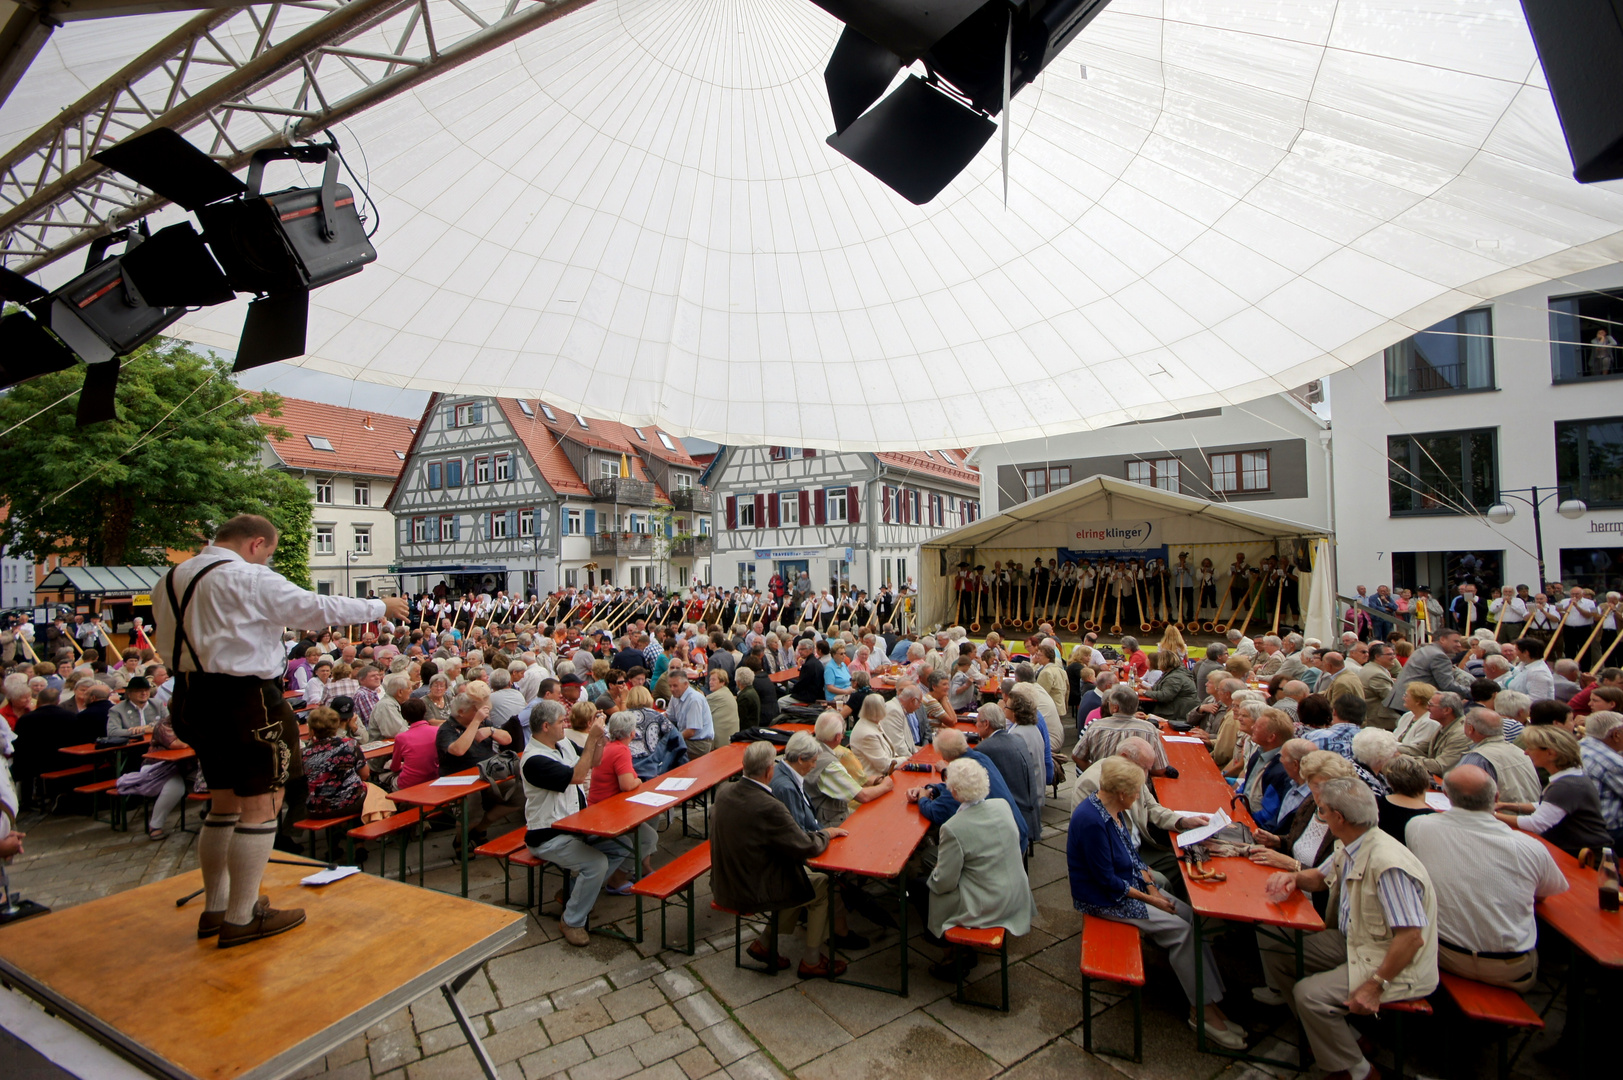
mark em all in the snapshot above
pixel 632 210
pixel 1103 514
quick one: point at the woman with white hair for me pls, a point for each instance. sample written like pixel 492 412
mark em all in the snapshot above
pixel 979 880
pixel 1109 881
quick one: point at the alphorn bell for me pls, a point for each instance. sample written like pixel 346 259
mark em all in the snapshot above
pixel 975 619
pixel 1140 596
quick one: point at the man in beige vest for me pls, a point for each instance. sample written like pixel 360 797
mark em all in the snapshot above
pixel 1381 944
pixel 1509 766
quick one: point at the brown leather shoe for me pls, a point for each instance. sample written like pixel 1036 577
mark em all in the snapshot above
pixel 759 954
pixel 267 922
pixel 823 969
pixel 575 935
pixel 209 923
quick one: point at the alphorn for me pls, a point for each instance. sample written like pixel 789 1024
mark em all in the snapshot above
pixel 119 656
pixel 975 619
pixel 1071 622
pixel 1139 596
pixel 1555 635
pixel 1599 664
pixel 1279 605
pixel 1115 627
pixel 1219 625
pixel 1097 608
pixel 1250 607
pixel 1600 621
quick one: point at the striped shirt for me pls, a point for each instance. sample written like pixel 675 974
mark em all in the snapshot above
pixel 1402 898
pixel 1604 766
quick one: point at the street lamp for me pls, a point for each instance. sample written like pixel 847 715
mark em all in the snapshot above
pixel 349 560
pixel 1502 513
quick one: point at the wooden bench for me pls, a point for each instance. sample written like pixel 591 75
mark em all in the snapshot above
pixel 400 824
pixel 991 939
pixel 1398 1010
pixel 115 804
pixel 676 876
pixel 773 963
pixel 1495 1005
pixel 1112 952
pixel 509 850
pixel 329 826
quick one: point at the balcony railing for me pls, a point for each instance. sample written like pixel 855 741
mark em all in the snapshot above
pixel 623 490
pixel 690 547
pixel 697 499
pixel 624 544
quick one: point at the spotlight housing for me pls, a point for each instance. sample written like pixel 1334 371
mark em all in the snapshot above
pixel 977 54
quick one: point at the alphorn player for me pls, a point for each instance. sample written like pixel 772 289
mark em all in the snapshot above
pixel 220 617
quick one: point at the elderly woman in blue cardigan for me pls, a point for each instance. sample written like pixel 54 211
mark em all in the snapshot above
pixel 1110 881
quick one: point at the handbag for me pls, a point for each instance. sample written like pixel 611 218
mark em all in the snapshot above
pixel 501 771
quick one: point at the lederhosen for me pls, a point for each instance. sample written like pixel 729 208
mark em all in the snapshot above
pixel 245 733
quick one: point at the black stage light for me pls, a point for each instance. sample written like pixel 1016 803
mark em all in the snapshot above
pixel 98 316
pixel 977 55
pixel 278 246
pixel 1579 42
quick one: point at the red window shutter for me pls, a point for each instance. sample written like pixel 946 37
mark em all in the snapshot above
pixel 901 506
pixel 853 508
pixel 884 503
pixel 808 453
pixel 772 509
pixel 822 507
pixel 760 511
pixel 732 511
pixel 805 509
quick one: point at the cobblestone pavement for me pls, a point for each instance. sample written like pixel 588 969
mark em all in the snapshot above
pixel 613 1010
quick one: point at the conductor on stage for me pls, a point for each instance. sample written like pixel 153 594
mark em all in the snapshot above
pixel 220 617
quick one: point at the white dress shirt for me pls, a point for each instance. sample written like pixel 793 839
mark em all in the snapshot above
pixel 1487 877
pixel 238 613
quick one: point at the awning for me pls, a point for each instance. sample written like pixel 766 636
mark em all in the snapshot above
pixel 103 580
pixel 406 568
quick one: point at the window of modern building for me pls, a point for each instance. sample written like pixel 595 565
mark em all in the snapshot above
pixel 1443 472
pixel 323 588
pixel 636 577
pixel 363 587
pixel 1452 357
pixel 1583 336
pixel 363 493
pixel 1040 481
pixel 571 578
pixel 1163 473
pixel 324 492
pixel 704 526
pixel 1589 460
pixel 1245 471
pixel 363 540
pixel 324 539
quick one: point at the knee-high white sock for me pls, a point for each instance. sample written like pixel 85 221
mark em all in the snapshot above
pixel 211 853
pixel 250 848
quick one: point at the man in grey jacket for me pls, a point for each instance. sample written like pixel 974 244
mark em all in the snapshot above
pixel 1432 663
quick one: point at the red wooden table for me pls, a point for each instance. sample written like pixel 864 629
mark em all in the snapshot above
pixel 786 675
pixel 88 750
pixel 429 796
pixel 884 834
pixel 1242 898
pixel 618 815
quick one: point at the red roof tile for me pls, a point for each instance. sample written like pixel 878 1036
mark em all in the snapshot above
pixel 544 447
pixel 362 442
pixel 948 464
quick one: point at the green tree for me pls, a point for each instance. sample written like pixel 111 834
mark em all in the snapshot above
pixel 181 457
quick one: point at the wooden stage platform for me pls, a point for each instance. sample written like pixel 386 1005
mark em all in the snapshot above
pixel 129 970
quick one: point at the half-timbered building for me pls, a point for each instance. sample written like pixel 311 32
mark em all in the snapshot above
pixel 840 517
pixel 508 493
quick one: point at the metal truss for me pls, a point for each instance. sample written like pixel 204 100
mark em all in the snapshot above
pixel 249 77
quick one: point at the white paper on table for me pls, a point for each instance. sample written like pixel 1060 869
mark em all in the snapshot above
pixel 652 798
pixel 454 781
pixel 1180 738
pixel 1438 801
pixel 1206 831
pixel 675 783
pixel 1204 815
pixel 324 877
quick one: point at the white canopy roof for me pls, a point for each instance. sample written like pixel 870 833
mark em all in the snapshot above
pixel 633 212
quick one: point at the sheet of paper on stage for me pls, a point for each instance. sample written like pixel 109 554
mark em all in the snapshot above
pixel 324 877
pixel 652 798
pixel 675 783
pixel 1206 831
pixel 1438 802
pixel 454 781
pixel 1179 738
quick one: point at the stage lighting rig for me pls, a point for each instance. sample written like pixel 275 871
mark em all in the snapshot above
pixel 102 314
pixel 977 55
pixel 278 246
